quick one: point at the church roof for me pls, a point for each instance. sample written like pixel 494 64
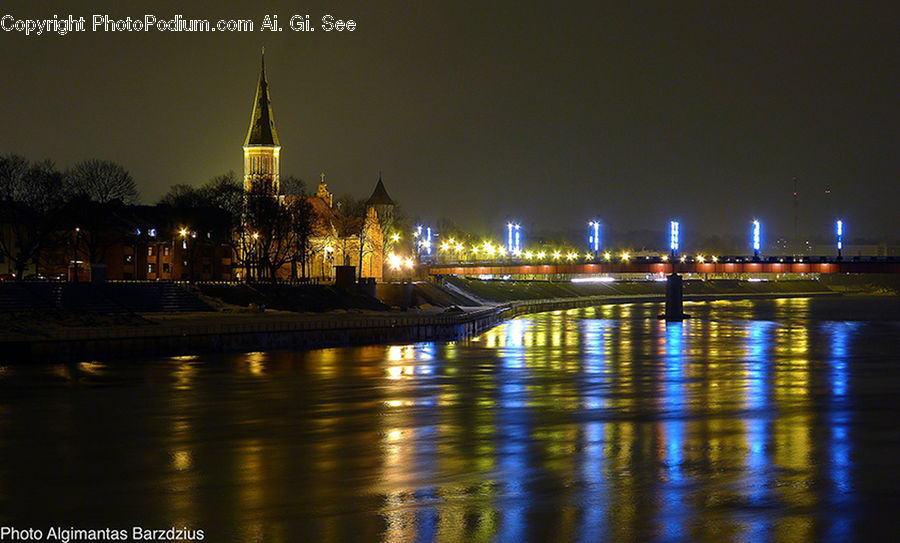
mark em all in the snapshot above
pixel 380 196
pixel 262 122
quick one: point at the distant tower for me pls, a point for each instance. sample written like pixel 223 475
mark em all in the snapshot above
pixel 261 148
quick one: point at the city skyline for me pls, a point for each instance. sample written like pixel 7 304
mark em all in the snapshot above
pixel 634 116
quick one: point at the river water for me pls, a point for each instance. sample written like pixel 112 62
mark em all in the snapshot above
pixel 770 420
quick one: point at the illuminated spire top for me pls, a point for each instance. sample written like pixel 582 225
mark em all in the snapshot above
pixel 262 122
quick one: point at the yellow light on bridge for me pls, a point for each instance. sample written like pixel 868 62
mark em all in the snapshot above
pixel 529 255
pixel 665 258
pixel 588 256
pixel 556 255
pixel 459 247
pixel 542 254
pixel 625 256
pixel 684 258
pixel 396 238
pixel 701 259
pixel 409 263
pixel 445 246
pixel 572 256
pixel 183 233
pixel 607 256
pixel 395 261
pixel 715 259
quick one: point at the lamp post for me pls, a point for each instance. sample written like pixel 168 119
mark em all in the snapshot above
pixel 756 243
pixel 594 236
pixel 254 259
pixel 513 238
pixel 840 238
pixel 75 256
pixel 674 241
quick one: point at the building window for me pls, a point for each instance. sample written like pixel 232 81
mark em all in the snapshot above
pixel 149 250
pixel 151 268
pixel 166 250
pixel 129 259
pixel 165 267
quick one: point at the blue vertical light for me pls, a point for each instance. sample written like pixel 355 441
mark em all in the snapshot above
pixel 673 237
pixel 428 240
pixel 756 238
pixel 840 236
pixel 594 235
pixel 513 238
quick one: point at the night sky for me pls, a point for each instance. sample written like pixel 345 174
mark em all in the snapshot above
pixel 633 112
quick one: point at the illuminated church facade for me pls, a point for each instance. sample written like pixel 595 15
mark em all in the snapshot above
pixel 337 239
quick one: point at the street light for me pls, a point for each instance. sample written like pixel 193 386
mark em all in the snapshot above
pixel 513 238
pixel 594 236
pixel 755 239
pixel 673 237
pixel 840 238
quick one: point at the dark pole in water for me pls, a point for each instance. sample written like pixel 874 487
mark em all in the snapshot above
pixel 674 299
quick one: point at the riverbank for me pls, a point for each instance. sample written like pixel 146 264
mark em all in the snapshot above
pixel 192 333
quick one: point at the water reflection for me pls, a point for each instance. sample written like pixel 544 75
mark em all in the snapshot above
pixel 590 425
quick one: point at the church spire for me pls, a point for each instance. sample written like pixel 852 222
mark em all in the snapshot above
pixel 262 122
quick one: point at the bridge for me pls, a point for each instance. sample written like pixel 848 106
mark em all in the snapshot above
pixel 660 267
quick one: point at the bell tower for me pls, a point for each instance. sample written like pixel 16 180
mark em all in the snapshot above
pixel 261 148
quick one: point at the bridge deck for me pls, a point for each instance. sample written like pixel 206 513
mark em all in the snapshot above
pixel 665 268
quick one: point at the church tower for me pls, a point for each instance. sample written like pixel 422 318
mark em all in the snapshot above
pixel 261 148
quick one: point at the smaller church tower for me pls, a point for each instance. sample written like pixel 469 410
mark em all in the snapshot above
pixel 323 193
pixel 261 148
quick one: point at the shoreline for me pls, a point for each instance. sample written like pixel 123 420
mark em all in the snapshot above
pixel 194 333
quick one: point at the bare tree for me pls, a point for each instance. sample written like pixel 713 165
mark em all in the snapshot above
pixel 293 186
pixel 303 225
pixel 102 181
pixel 31 197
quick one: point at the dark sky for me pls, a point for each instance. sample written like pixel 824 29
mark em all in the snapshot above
pixel 551 113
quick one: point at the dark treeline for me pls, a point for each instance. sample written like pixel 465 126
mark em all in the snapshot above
pixel 95 205
pixel 39 203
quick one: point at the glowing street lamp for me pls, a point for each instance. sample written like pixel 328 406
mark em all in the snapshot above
pixel 840 237
pixel 513 238
pixel 594 236
pixel 755 239
pixel 673 237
